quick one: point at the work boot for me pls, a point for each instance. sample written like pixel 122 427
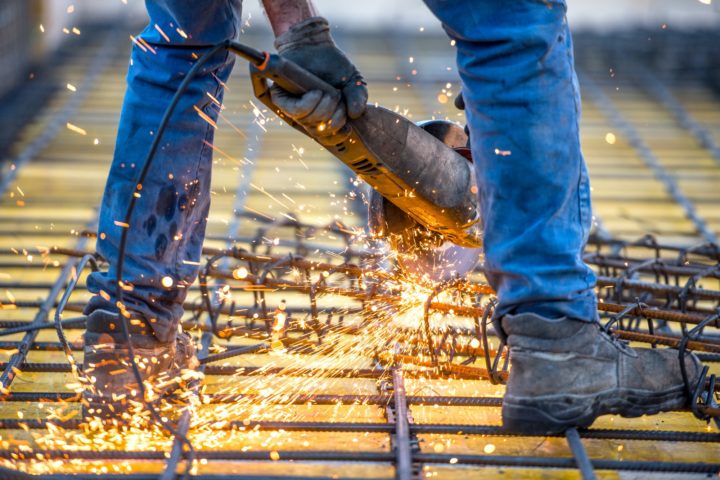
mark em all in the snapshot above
pixel 565 373
pixel 113 388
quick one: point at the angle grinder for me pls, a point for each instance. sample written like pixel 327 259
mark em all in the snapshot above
pixel 426 200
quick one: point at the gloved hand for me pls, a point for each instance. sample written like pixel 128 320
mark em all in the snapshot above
pixel 310 45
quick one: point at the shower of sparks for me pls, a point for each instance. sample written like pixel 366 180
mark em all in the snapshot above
pixel 293 365
pixel 382 325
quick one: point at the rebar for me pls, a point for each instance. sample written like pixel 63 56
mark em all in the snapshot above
pixel 652 293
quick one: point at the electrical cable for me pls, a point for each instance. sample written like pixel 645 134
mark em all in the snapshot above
pixel 192 73
pixel 253 56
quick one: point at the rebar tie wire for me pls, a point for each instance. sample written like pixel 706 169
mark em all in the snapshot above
pixel 702 396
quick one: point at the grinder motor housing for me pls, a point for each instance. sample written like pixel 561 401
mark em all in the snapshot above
pixel 422 176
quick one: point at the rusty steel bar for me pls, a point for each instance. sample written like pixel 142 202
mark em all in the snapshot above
pixel 40 320
pixel 403 452
pixel 580 454
pixel 657 266
pixel 381 457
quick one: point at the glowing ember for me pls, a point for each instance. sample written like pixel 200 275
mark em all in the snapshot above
pixel 240 273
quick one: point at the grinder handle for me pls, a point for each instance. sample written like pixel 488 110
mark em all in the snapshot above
pixel 289 76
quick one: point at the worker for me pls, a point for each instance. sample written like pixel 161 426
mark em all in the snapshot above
pixel 522 104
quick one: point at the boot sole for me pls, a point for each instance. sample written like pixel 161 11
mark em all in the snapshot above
pixel 532 415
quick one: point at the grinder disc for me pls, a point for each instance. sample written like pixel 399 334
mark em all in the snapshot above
pixel 424 255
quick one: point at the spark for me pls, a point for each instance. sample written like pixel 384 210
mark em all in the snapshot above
pixel 269 195
pixel 157 27
pixel 75 128
pixel 240 273
pixel 257 212
pixel 205 117
pixel 225 154
pixel 215 100
pixel 232 125
pixel 137 42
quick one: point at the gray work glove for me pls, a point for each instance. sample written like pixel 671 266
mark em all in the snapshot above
pixel 310 45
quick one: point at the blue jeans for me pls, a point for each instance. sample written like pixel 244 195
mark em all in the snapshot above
pixel 515 61
pixel 168 226
pixel 522 101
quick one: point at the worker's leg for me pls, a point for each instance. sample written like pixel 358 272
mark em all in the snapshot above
pixel 167 229
pixel 522 106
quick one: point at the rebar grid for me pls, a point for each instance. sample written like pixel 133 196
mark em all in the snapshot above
pixel 654 294
pixel 652 301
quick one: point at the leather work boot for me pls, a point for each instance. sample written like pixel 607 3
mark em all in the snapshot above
pixel 113 389
pixel 565 373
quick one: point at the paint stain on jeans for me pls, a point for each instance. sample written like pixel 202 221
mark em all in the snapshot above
pixel 150 224
pixel 166 202
pixel 183 202
pixel 161 245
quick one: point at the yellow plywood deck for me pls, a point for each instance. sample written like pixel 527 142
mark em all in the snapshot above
pixel 54 195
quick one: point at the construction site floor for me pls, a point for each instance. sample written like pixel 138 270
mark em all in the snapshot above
pixel 652 151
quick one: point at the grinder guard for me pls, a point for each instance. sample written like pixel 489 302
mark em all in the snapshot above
pixel 421 253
